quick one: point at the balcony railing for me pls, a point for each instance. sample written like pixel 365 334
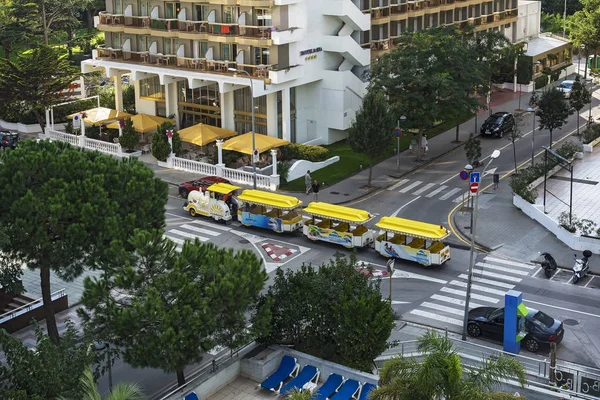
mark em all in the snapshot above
pixel 163 24
pixel 380 13
pixel 136 56
pixel 380 44
pixel 255 32
pixel 110 53
pixel 215 28
pixel 110 19
pixel 138 22
pixel 193 26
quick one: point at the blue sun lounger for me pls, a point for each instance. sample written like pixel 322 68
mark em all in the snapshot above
pixel 191 396
pixel 366 389
pixel 287 368
pixel 332 383
pixel 348 390
pixel 308 374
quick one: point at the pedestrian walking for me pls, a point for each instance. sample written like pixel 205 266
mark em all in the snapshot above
pixel 307 181
pixel 424 144
pixel 414 144
pixel 315 188
pixel 496 181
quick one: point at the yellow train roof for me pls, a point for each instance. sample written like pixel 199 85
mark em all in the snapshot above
pixel 223 188
pixel 270 199
pixel 338 213
pixel 413 228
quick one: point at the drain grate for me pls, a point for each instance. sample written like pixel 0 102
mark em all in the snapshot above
pixel 243 241
pixel 570 322
pixel 334 192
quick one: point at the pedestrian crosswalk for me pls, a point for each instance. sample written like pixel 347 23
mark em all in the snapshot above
pixel 492 278
pixel 203 231
pixel 430 190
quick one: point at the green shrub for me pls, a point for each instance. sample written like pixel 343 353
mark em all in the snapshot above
pixel 93 132
pixel 160 146
pixel 130 137
pixel 568 150
pixel 541 81
pixel 69 127
pixel 298 151
pixel 283 169
pixel 563 220
pixel 591 133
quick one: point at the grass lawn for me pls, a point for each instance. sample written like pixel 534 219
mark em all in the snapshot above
pixel 350 161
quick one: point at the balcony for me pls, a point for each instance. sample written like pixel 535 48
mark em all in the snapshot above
pixel 380 15
pixel 110 19
pixel 255 32
pixel 164 24
pixel 220 29
pixel 193 26
pixel 110 53
pixel 286 74
pixel 137 22
pixel 286 36
pixel 380 47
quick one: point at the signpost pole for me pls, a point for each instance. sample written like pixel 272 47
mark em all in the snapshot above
pixel 398 134
pixel 390 268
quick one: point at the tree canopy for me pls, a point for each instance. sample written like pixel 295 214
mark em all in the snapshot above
pixel 440 374
pixel 553 110
pixel 585 26
pixel 122 391
pixel 579 98
pixel 66 209
pixel 172 307
pixel 331 311
pixel 372 130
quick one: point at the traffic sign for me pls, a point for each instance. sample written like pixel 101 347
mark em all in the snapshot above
pixel 390 265
pixel 475 177
pixel 474 187
pixel 398 132
pixel 464 175
pixel 255 156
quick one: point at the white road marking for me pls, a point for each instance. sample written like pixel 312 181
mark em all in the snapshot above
pixel 200 230
pixel 398 184
pixel 404 205
pixel 424 189
pixel 508 262
pixel 503 269
pixel 488 281
pixel 450 194
pixel 409 187
pixel 479 287
pixel 536 272
pixel 204 223
pixel 462 293
pixel 179 242
pixel 436 191
pixel 437 317
pixel 499 276
pixel 461 197
pixel 439 307
pixel 403 274
pixel 590 281
pixel 563 308
pixel 187 235
pixel 453 300
pixel 400 302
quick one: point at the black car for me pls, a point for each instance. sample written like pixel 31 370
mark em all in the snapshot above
pixel 498 124
pixel 8 140
pixel 541 328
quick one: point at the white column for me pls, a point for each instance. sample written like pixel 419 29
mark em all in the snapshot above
pixel 227 105
pixel 272 114
pixel 286 116
pixel 220 151
pixel 274 155
pixel 137 90
pixel 118 93
pixel 47 119
pixel 171 101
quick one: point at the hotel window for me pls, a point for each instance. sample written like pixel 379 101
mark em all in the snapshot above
pixel 170 46
pixel 171 10
pixel 262 17
pixel 151 87
pixel 144 42
pixel 201 12
pixel 228 15
pixel 261 56
pixel 117 6
pixel 116 40
pixel 228 52
pixel 144 8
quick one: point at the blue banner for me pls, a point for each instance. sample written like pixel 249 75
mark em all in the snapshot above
pixel 262 221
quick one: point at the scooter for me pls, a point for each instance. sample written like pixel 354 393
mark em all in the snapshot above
pixel 582 266
pixel 549 265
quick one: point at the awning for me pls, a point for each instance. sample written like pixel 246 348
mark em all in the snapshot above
pixel 101 115
pixel 412 228
pixel 243 143
pixel 143 122
pixel 338 213
pixel 202 134
pixel 270 199
pixel 223 188
pixel 544 44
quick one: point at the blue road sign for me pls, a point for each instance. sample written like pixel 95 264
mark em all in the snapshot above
pixel 475 177
pixel 398 132
pixel 464 175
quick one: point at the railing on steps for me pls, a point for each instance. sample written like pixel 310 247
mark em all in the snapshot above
pixel 194 166
pixel 29 306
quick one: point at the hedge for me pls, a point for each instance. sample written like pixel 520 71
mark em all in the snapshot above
pixel 297 151
pixel 591 133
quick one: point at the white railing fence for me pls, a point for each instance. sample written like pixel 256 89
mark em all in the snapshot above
pixel 194 166
pixel 246 178
pixel 62 137
pixel 102 146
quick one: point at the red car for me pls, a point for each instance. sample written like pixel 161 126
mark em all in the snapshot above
pixel 199 184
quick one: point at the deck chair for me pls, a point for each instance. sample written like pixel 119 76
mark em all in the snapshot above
pixel 366 389
pixel 348 390
pixel 287 368
pixel 308 374
pixel 332 383
pixel 191 396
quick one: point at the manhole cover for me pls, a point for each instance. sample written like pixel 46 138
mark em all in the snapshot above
pixel 346 194
pixel 334 192
pixel 570 322
pixel 243 241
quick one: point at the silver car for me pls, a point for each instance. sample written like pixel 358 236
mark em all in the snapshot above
pixel 566 87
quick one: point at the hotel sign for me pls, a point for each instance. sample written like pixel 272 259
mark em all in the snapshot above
pixel 310 51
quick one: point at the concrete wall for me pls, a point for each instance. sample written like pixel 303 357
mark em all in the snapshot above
pixel 528 24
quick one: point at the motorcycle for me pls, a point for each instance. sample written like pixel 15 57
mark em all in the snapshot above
pixel 582 266
pixel 549 265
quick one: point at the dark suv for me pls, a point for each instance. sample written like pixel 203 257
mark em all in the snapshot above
pixel 498 124
pixel 8 139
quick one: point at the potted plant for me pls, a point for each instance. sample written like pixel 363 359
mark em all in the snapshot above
pixel 130 137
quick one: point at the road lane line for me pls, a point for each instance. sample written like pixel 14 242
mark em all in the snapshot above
pixel 404 205
pixel 409 187
pixel 508 262
pixel 503 269
pixel 499 276
pixel 436 191
pixel 563 308
pixel 424 188
pixel 453 300
pixel 488 281
pixel 398 184
pixel 450 310
pixel 179 242
pixel 450 194
pixel 473 295
pixel 437 317
pixel 187 235
pixel 200 230
pixel 479 287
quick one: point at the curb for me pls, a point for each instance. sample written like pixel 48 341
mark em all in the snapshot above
pixel 465 236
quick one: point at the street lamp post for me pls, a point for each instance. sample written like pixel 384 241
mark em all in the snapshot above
pixel 590 113
pixel 253 126
pixel 531 110
pixel 402 118
pixel 493 156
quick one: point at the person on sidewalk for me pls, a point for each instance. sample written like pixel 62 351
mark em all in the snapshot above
pixel 424 147
pixel 496 181
pixel 307 181
pixel 414 145
pixel 315 189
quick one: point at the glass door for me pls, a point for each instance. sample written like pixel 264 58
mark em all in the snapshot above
pixel 117 7
pixel 201 12
pixel 172 10
pixel 116 40
pixel 262 17
pixel 229 15
pixel 261 56
pixel 144 8
pixel 143 42
pixel 228 52
pixel 170 46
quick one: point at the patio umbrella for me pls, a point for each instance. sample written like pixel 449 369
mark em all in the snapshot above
pixel 202 134
pixel 101 115
pixel 243 143
pixel 143 123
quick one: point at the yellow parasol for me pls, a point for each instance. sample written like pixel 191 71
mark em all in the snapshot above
pixel 101 115
pixel 202 134
pixel 143 122
pixel 243 143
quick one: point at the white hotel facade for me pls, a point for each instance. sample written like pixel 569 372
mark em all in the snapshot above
pixel 303 57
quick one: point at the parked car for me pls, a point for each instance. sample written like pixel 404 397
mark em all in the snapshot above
pixel 8 139
pixel 566 87
pixel 498 124
pixel 199 184
pixel 541 328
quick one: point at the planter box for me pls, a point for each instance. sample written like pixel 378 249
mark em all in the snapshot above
pixel 589 147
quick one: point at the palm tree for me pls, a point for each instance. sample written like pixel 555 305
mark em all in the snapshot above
pixel 440 375
pixel 122 391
